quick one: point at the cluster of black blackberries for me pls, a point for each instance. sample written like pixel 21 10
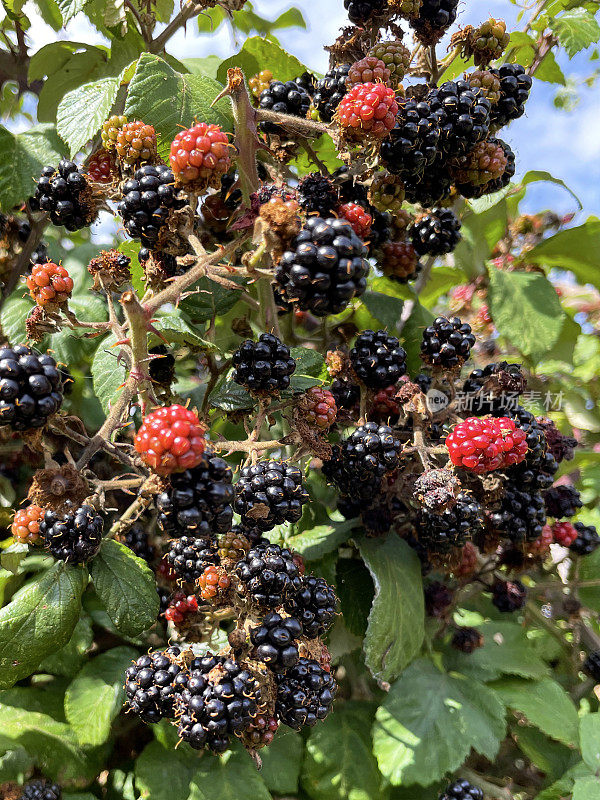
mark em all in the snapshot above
pixel 275 641
pixel 284 98
pixel 263 366
pixel 447 343
pixel 62 192
pixel 439 533
pixel 326 269
pixel 198 502
pixel 41 790
pixel 377 359
pixel 462 790
pixel 269 575
pixel 413 143
pixel 361 11
pixel 75 535
pixel 562 501
pixel 463 113
pixel 436 233
pixel 31 388
pixel 515 86
pixel 521 515
pixel 138 541
pixel 305 694
pixel 330 91
pixel 509 596
pixel 314 605
pixel 269 493
pixel 189 556
pixel 318 195
pixel 148 198
pixel 587 539
pixel 152 683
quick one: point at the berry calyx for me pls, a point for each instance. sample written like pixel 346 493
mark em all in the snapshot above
pixel 50 285
pixel 200 155
pixel 368 109
pixel 482 445
pixel 25 526
pixel 171 439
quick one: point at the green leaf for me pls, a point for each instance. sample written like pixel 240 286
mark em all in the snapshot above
pixel 589 734
pixel 23 156
pixel 573 249
pixel 564 785
pixel 308 361
pixel 339 764
pixel 258 53
pixel 39 620
pixel 70 8
pixel 178 330
pixel 108 372
pixel 550 756
pixel 95 697
pixel 12 556
pixel 210 300
pixel 82 111
pixel 69 659
pixel 230 396
pixel 396 623
pixel 281 762
pixel 384 308
pixel 207 66
pixel 15 764
pixel 429 722
pixel 172 100
pixel 587 788
pixel 442 279
pixel 231 777
pixel 576 30
pixel 13 315
pixel 164 774
pixel 355 589
pixel 589 569
pixel 545 704
pixel 526 310
pixel 125 585
pixel 320 540
pixel 506 650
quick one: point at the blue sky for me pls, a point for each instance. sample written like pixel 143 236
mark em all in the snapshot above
pixel 564 144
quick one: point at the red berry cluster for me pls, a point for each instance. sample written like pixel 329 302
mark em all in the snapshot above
pixel 542 544
pixel 180 607
pixel 320 408
pixel 368 108
pixel 26 524
pixel 49 284
pixel 171 439
pixel 564 533
pixel 213 580
pixel 384 406
pixel 356 215
pixel 482 445
pixel 99 167
pixel 201 154
pixel 136 142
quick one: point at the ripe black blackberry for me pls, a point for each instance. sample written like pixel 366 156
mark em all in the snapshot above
pixel 587 539
pixel 148 198
pixel 268 574
pixel 438 598
pixel 436 233
pixel 356 490
pixel 467 640
pixel 40 254
pixel 591 665
pixel 509 596
pixel 562 501
pixel 463 113
pixel 440 533
pixel 432 187
pixel 152 683
pixel 31 388
pixel 305 694
pixel 381 229
pixel 330 90
pixel 515 86
pixel 501 381
pixel 318 195
pixel 263 366
pixel 423 381
pixel 434 18
pixel 64 193
pixel 189 556
pixel 161 369
pixel 220 700
pixel 269 493
pixel 197 502
pixel 314 605
pixel 361 11
pixel 447 343
pixel 138 541
pixel 412 144
pixel 377 359
pixel 326 269
pixel 308 82
pixel 470 191
pixel 462 790
pixel 74 535
pixel 41 790
pixel 345 394
pixel 274 640
pixel 370 450
pixel 251 532
pixel 284 98
pixel 521 515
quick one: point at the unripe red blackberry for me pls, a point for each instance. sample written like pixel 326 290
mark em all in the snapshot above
pixel 434 19
pixel 384 408
pixel 261 732
pixel 396 58
pixel 440 533
pixel 100 167
pixel 317 195
pixel 326 269
pixel 587 539
pixel 330 91
pixel 268 574
pixel 462 790
pixel 305 694
pixel 562 501
pixel 368 109
pixel 275 641
pixel 314 605
pixel 515 86
pixel 178 607
pixel 487 82
pixel 358 218
pixel 591 665
pixel 368 70
pixel 541 545
pixel 64 193
pixel 147 200
pixel 50 285
pixel 361 11
pixel 482 445
pixel 400 261
pixel 31 388
pixel 412 143
pixel 189 556
pixel 467 640
pixel 436 233
pixel 283 98
pixel 213 583
pixel 470 190
pixel 564 533
pixel 264 366
pixel 153 682
pixel 75 535
pixel 447 343
pixel 485 162
pixel 25 526
pixel 200 155
pixel 509 596
pixel 318 408
pixel 377 359
pixel 197 502
pixel 110 131
pixel 171 439
pixel 135 142
pixel 386 193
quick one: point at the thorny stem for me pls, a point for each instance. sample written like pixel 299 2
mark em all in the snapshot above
pixel 188 11
pixel 434 65
pixel 137 321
